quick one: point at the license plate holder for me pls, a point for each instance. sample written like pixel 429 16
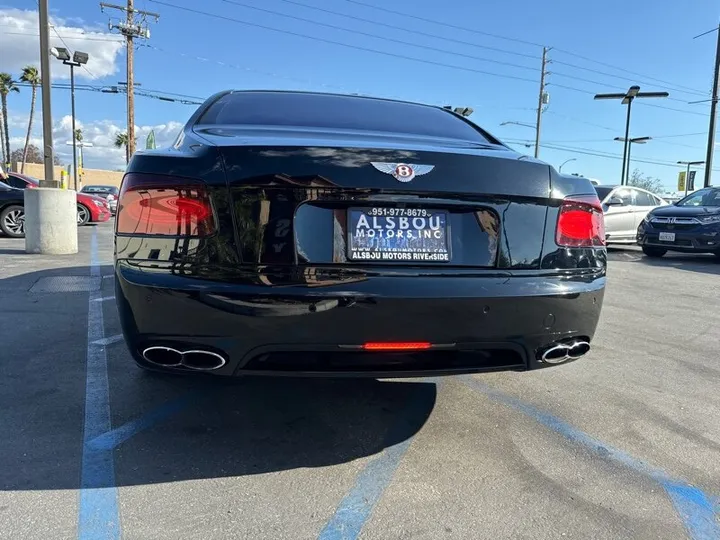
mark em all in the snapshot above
pixel 667 236
pixel 414 235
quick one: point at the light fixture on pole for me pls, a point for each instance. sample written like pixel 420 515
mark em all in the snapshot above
pixel 78 59
pixel 687 174
pixel 462 111
pixel 628 144
pixel 627 99
pixel 564 162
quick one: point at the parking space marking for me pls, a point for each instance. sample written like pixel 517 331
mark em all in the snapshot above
pixel 695 508
pixel 355 508
pixel 98 515
pixel 104 298
pixel 107 340
pixel 113 438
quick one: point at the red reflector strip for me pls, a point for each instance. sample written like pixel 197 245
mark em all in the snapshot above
pixel 397 346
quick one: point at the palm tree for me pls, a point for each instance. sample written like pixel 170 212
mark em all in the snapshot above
pixel 7 85
pixel 121 140
pixel 78 135
pixel 30 75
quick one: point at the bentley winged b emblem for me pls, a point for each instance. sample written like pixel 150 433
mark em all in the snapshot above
pixel 403 172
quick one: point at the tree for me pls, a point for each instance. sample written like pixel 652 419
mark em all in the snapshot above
pixel 34 155
pixel 7 85
pixel 637 179
pixel 78 135
pixel 121 140
pixel 30 75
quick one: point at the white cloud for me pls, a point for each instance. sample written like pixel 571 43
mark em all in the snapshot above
pixel 20 44
pixel 103 154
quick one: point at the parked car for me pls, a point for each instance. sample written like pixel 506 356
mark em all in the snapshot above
pixel 109 193
pixel 295 233
pixel 12 211
pixel 90 209
pixel 691 225
pixel 624 208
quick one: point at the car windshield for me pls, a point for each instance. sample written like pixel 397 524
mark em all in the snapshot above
pixel 98 189
pixel 603 192
pixel 703 197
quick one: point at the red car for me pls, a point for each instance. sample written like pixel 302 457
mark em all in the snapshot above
pixel 90 209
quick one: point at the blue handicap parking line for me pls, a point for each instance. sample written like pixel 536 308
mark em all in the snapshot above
pixel 357 506
pixel 98 515
pixel 115 437
pixel 695 508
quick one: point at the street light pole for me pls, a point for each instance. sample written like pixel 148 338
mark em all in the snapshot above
pixel 78 59
pixel 72 99
pixel 627 99
pixel 628 144
pixel 626 148
pixel 564 162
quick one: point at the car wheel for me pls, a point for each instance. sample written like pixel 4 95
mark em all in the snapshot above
pixel 12 221
pixel 654 252
pixel 83 215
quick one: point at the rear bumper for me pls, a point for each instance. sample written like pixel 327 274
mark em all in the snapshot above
pixel 478 323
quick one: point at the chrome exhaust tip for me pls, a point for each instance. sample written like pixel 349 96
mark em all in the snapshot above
pixel 163 356
pixel 202 360
pixel 196 359
pixel 562 352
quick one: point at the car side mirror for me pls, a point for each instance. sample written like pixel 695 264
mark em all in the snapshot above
pixel 615 201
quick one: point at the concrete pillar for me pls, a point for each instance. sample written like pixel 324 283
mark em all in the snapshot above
pixel 51 221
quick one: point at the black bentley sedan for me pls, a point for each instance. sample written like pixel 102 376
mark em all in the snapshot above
pixel 295 233
pixel 691 225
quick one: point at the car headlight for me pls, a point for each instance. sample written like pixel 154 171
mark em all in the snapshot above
pixel 709 220
pixel 99 204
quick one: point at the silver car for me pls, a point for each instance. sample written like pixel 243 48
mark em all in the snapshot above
pixel 624 208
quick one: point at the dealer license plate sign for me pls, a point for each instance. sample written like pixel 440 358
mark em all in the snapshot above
pixel 667 236
pixel 398 234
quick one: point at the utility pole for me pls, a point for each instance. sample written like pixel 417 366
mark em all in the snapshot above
pixel 542 100
pixel 48 155
pixel 131 30
pixel 713 111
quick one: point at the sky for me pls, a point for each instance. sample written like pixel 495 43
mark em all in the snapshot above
pixel 483 55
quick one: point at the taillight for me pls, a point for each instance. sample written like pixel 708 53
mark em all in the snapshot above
pixel 164 206
pixel 580 222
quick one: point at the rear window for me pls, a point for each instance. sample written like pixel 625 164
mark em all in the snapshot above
pixel 338 112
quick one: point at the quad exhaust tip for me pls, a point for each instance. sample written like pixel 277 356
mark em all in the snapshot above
pixel 563 352
pixel 194 359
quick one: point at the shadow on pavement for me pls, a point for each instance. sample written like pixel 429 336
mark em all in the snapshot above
pixel 222 428
pixel 702 263
pixel 258 425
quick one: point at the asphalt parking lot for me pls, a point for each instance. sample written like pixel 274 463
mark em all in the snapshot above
pixel 624 443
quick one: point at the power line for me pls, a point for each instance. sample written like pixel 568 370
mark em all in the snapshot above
pixel 78 38
pixel 661 81
pixel 381 37
pixel 396 27
pixel 639 103
pixel 516 40
pixel 357 47
pixel 576 78
pixel 674 88
pixel 441 23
